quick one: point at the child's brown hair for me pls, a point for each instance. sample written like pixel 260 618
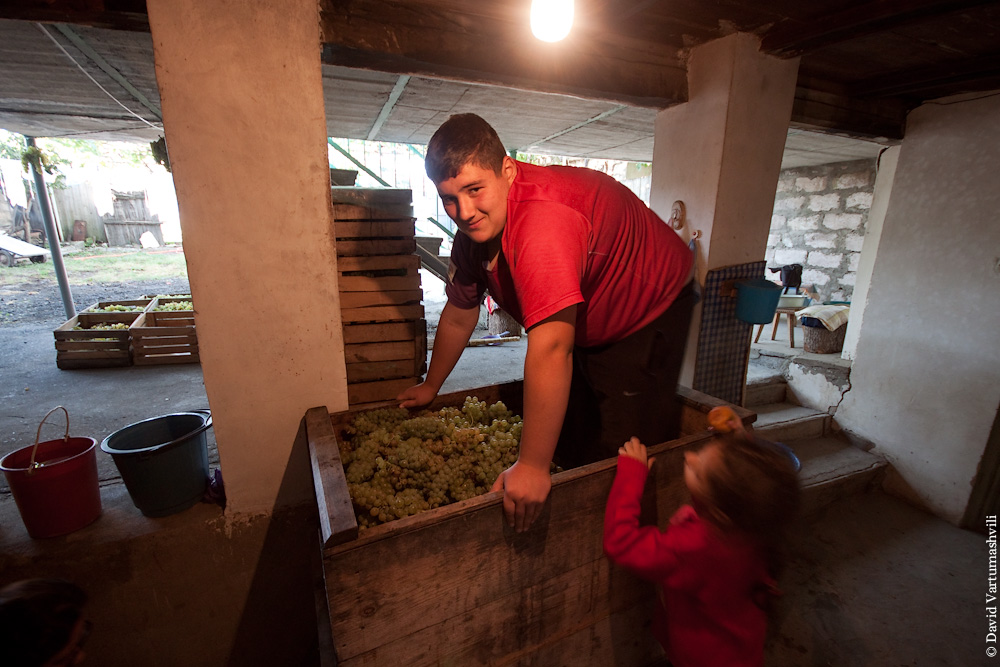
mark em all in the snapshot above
pixel 753 489
pixel 463 139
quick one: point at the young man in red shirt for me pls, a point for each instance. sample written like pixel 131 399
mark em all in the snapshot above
pixel 601 284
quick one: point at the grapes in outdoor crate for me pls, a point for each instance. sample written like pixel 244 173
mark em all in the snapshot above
pixel 117 308
pixel 174 305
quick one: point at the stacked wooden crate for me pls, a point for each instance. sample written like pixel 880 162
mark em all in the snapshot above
pixel 82 343
pixel 165 336
pixel 385 334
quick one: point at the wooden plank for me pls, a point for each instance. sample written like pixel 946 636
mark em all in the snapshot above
pixel 382 284
pixel 369 371
pixel 169 348
pixel 161 359
pixel 383 332
pixel 365 196
pixel 388 313
pixel 367 229
pixel 366 299
pixel 557 626
pixel 93 347
pixel 336 511
pixel 380 390
pixel 402 263
pixel 367 352
pixel 364 247
pixel 373 211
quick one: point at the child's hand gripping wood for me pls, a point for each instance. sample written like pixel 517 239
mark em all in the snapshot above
pixel 636 450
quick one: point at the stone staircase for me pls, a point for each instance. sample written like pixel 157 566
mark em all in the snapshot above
pixel 832 468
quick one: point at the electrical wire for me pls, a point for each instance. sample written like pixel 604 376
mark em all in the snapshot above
pixel 73 60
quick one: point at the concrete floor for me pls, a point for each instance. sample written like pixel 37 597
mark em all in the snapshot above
pixel 872 580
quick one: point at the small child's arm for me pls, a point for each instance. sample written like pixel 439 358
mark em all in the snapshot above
pixel 643 549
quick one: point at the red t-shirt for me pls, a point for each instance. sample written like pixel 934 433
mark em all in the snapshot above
pixel 706 615
pixel 576 236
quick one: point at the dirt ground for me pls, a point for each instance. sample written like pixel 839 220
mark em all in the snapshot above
pixel 40 301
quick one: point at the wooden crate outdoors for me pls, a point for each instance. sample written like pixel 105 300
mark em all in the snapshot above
pixel 173 318
pixel 455 586
pixel 164 337
pixel 94 348
pixel 380 294
pixel 135 307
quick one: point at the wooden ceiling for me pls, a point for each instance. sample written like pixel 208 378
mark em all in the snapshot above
pixel 394 70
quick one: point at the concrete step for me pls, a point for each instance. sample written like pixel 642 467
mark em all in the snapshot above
pixel 784 422
pixel 832 468
pixel 773 390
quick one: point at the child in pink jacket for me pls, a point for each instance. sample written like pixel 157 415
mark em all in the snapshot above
pixel 715 562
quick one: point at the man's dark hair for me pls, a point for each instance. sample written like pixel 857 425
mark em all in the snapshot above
pixel 37 617
pixel 463 139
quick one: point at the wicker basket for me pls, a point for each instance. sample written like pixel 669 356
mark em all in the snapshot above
pixel 819 340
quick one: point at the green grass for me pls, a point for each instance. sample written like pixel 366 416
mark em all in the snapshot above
pixel 101 265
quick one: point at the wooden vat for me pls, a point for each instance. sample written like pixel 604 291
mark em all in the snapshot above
pixel 455 586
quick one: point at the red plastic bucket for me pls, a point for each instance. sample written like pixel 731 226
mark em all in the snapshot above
pixel 54 483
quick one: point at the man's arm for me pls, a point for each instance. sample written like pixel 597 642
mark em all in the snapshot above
pixel 454 330
pixel 548 370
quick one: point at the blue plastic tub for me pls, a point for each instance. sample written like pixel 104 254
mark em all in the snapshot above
pixel 757 300
pixel 163 461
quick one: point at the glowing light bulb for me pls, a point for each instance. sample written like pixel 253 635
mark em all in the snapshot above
pixel 551 19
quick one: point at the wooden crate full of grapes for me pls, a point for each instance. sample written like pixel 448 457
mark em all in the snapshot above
pixel 95 340
pixel 119 311
pixel 421 569
pixel 385 334
pixel 165 333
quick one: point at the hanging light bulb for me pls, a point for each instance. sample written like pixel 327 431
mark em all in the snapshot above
pixel 551 19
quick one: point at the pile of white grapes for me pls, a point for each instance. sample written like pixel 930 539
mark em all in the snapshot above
pixel 174 305
pixel 398 464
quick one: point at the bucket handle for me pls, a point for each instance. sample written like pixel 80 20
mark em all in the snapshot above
pixel 33 465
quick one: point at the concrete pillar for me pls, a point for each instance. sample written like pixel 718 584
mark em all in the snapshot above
pixel 884 179
pixel 242 98
pixel 720 153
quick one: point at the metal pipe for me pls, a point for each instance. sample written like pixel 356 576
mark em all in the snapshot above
pixel 53 236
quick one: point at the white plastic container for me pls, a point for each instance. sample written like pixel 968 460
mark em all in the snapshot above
pixel 793 301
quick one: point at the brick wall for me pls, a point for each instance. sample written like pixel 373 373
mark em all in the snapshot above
pixel 819 219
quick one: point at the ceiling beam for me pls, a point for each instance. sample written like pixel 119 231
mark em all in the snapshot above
pixel 794 37
pixel 122 15
pixel 386 111
pixel 966 75
pixel 839 114
pixel 600 116
pixel 87 50
pixel 424 39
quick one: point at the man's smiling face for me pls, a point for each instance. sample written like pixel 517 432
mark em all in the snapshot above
pixel 476 199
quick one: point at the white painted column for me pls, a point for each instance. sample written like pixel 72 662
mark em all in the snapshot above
pixel 720 153
pixel 242 98
pixel 884 178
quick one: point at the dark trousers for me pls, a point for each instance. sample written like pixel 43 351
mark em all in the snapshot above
pixel 627 388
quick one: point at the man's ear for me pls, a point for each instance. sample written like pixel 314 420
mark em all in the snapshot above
pixel 509 169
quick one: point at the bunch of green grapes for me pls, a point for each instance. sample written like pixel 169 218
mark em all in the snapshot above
pixel 175 305
pixel 398 464
pixel 117 308
pixel 116 325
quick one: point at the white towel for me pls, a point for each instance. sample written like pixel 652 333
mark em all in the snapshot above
pixel 832 317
